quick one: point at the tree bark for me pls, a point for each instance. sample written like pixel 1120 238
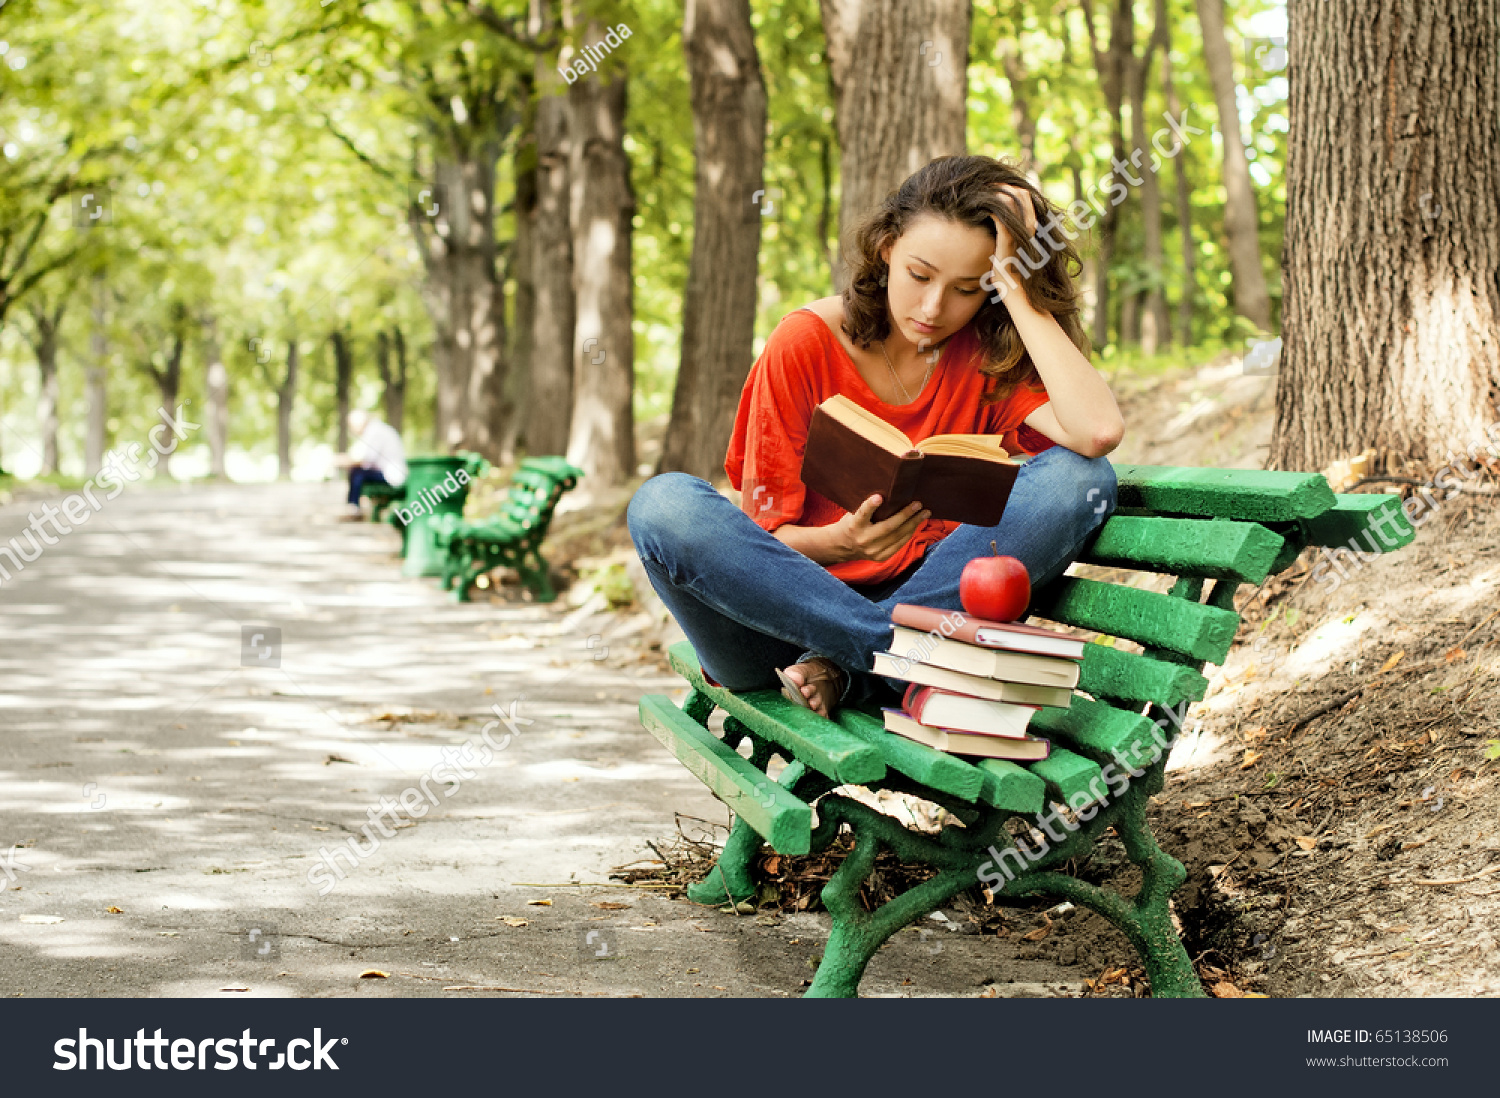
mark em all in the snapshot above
pixel 1392 258
pixel 601 440
pixel 1241 221
pixel 521 269
pixel 392 381
pixel 1021 116
pixel 549 407
pixel 96 390
pixel 343 377
pixel 43 340
pixel 1184 193
pixel 168 380
pixel 718 313
pixel 216 388
pixel 900 77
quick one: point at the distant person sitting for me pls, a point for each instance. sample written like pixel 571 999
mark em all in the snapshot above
pixel 376 457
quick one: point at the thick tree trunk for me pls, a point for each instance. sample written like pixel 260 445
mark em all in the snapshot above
pixel 601 440
pixel 168 385
pixel 216 388
pixel 1184 193
pixel 1392 256
pixel 343 377
pixel 718 314
pixel 286 391
pixel 1021 116
pixel 549 408
pixel 455 230
pixel 1241 222
pixel 96 391
pixel 900 77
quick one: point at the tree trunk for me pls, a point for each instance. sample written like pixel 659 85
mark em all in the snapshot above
pixel 343 376
pixel 1184 193
pixel 1392 256
pixel 1021 116
pixel 718 313
pixel 168 385
pixel 454 227
pixel 43 340
pixel 96 390
pixel 1241 222
pixel 217 390
pixel 393 382
pixel 1110 66
pixel 1154 321
pixel 286 391
pixel 601 441
pixel 520 268
pixel 549 408
pixel 900 77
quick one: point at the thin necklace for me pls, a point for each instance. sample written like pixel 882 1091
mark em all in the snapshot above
pixel 925 377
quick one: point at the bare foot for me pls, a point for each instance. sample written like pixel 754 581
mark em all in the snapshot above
pixel 820 682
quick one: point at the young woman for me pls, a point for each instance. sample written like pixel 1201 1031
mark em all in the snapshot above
pixel 945 326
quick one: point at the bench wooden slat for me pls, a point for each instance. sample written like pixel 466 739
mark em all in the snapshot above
pixel 1363 517
pixel 814 740
pixel 1115 673
pixel 1194 547
pixel 779 817
pixel 1011 787
pixel 944 772
pixel 1099 732
pixel 1151 618
pixel 1066 775
pixel 1252 495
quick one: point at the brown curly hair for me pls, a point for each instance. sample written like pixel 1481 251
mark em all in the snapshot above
pixel 963 189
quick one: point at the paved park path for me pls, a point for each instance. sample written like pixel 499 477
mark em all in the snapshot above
pixel 171 797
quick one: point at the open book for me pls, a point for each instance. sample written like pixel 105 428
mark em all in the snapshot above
pixel 852 454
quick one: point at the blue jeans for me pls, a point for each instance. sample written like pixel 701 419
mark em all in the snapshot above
pixel 359 476
pixel 750 604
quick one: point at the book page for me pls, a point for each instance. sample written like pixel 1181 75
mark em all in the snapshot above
pixel 867 424
pixel 981 446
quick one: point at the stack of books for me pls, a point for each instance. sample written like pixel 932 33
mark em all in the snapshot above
pixel 976 684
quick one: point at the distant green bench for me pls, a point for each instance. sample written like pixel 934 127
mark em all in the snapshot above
pixel 1221 526
pixel 512 537
pixel 381 496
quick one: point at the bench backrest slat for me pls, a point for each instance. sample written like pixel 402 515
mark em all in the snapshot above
pixel 1148 617
pixel 1196 547
pixel 1252 495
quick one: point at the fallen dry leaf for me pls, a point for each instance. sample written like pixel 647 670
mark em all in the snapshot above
pixel 112 910
pixel 511 920
pixel 1225 990
pixel 1392 662
pixel 610 905
pixel 538 903
pixel 1306 842
pixel 374 974
pixel 1401 955
pixel 773 864
pixel 1251 758
pixel 1038 934
pixel 1454 654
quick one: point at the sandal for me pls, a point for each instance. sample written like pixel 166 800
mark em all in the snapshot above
pixel 824 670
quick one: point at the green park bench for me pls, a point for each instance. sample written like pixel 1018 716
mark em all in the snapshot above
pixel 1219 527
pixel 513 536
pixel 381 496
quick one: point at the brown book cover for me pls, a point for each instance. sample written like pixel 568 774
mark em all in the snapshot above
pixel 852 454
pixel 1009 635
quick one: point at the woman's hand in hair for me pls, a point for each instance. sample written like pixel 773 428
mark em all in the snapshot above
pixel 1019 199
pixel 862 539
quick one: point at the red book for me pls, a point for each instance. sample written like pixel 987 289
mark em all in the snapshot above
pixel 964 713
pixel 1008 635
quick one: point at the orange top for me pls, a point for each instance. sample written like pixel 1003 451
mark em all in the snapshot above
pixel 803 364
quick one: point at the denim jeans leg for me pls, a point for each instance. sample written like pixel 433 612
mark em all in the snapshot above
pixel 747 602
pixel 1059 499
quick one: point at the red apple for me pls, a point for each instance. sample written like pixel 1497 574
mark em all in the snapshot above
pixel 997 588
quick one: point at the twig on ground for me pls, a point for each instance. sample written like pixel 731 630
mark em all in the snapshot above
pixel 1326 707
pixel 1456 880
